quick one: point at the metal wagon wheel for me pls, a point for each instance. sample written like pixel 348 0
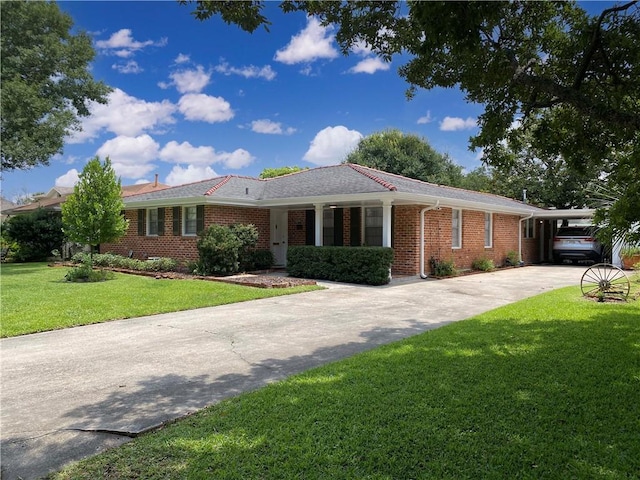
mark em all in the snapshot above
pixel 605 281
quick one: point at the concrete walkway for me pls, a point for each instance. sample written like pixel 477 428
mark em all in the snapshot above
pixel 72 393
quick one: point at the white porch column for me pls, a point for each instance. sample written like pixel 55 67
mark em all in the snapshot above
pixel 318 223
pixel 386 224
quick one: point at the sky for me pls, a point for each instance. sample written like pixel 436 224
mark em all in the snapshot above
pixel 193 100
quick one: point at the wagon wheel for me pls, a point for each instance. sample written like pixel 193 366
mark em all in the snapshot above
pixel 605 281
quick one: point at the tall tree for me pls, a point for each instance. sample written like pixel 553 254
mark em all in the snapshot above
pixel 46 82
pixel 407 155
pixel 92 214
pixel 570 78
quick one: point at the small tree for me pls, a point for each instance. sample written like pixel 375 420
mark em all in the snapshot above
pixel 93 213
pixel 36 234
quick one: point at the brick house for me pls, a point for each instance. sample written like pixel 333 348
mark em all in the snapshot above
pixel 345 204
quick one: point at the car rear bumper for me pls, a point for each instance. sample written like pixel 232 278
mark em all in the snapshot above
pixel 577 255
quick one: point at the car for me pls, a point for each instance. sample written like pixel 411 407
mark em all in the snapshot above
pixel 576 244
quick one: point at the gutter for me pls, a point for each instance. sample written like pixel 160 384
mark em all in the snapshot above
pixel 520 236
pixel 433 207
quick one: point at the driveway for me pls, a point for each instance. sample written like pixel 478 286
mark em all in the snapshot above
pixel 72 393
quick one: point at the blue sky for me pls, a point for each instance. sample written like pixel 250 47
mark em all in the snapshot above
pixel 194 100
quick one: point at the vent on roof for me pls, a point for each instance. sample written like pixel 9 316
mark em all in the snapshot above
pixel 246 191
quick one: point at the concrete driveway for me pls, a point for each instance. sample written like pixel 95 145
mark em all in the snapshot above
pixel 72 393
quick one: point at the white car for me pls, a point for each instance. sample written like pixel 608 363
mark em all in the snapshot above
pixel 576 244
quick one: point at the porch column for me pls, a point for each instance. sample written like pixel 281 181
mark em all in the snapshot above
pixel 386 224
pixel 319 226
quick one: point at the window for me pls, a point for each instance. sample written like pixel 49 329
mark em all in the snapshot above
pixel 373 227
pixel 456 228
pixel 327 227
pixel 190 221
pixel 488 230
pixel 152 221
pixel 528 226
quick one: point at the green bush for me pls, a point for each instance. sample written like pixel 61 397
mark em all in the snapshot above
pixel 261 259
pixel 442 268
pixel 218 249
pixel 34 235
pixel 85 273
pixel 111 260
pixel 512 258
pixel 247 235
pixel 483 264
pixel 366 265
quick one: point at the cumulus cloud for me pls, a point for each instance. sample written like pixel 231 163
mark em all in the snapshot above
pixel 331 145
pixel 451 124
pixel 250 71
pixel 185 153
pixel 179 175
pixel 201 107
pixel 130 156
pixel 270 127
pixel 122 44
pixel 313 43
pixel 426 119
pixel 182 58
pixel 190 81
pixel 69 179
pixel 130 67
pixel 370 65
pixel 123 115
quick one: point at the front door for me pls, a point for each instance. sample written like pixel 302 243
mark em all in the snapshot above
pixel 279 236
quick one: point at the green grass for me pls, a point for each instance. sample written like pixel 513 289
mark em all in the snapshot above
pixel 35 298
pixel 544 388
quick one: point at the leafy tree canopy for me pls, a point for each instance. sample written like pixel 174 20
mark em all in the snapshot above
pixel 279 171
pixel 36 233
pixel 46 83
pixel 570 79
pixel 408 155
pixel 92 214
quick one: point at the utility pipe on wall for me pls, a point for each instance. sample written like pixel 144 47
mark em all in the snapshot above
pixel 520 236
pixel 426 209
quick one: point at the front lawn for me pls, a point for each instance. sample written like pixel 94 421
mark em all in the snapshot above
pixel 544 388
pixel 35 297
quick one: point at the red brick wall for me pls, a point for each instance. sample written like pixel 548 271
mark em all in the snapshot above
pixel 297 227
pixel 183 248
pixel 406 240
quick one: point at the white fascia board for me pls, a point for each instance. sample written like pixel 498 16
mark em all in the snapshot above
pixel 376 197
pixel 567 213
pixel 466 204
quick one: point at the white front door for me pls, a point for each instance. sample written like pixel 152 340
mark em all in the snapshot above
pixel 279 236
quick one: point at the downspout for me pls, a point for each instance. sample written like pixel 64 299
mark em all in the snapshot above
pixel 520 236
pixel 433 207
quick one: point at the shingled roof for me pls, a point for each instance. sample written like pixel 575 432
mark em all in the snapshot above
pixel 345 181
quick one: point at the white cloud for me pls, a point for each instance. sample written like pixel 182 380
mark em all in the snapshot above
pixel 198 106
pixel 250 71
pixel 451 124
pixel 185 153
pixel 123 115
pixel 69 179
pixel 370 65
pixel 191 81
pixel 426 119
pixel 182 58
pixel 179 175
pixel 331 145
pixel 270 127
pixel 130 156
pixel 122 44
pixel 130 67
pixel 312 43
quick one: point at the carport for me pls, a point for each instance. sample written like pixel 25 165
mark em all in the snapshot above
pixel 546 226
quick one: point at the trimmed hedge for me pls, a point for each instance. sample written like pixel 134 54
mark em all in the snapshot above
pixel 368 265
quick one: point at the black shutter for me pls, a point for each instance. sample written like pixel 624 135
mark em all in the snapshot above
pixel 161 221
pixel 199 219
pixel 338 223
pixel 141 222
pixel 356 223
pixel 310 227
pixel 176 221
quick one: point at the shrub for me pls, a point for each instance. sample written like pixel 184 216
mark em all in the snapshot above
pixel 35 235
pixel 84 273
pixel 630 251
pixel 218 249
pixel 261 259
pixel 111 260
pixel 483 264
pixel 442 268
pixel 247 235
pixel 366 265
pixel 512 258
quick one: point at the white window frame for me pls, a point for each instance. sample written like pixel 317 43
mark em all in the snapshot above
pixel 529 227
pixel 488 230
pixel 456 242
pixel 149 223
pixel 185 219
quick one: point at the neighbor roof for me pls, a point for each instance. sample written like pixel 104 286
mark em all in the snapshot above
pixel 333 184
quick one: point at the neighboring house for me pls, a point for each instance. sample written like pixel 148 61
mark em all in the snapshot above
pixel 344 204
pixel 4 206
